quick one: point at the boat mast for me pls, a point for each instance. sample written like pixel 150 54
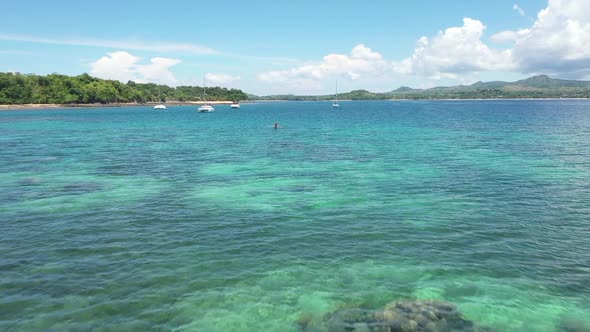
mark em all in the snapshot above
pixel 204 93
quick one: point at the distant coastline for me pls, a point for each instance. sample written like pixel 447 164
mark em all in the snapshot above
pixel 60 91
pixel 16 107
pixel 536 87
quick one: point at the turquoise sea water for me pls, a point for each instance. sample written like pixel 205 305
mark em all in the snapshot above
pixel 132 219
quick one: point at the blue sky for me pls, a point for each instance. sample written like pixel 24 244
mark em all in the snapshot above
pixel 267 47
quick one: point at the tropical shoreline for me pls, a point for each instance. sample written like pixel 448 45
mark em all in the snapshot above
pixel 16 107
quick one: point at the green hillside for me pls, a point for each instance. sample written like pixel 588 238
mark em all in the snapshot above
pixel 84 89
pixel 534 87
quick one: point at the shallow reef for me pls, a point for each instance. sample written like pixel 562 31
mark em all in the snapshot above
pixel 569 324
pixel 399 316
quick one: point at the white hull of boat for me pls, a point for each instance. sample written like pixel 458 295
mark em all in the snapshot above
pixel 205 109
pixel 160 107
pixel 234 105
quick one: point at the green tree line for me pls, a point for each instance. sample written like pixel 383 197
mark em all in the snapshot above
pixel 443 94
pixel 18 88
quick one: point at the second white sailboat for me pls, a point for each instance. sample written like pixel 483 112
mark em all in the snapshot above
pixel 205 108
pixel 335 103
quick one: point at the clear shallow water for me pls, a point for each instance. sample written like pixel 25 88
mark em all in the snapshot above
pixel 133 219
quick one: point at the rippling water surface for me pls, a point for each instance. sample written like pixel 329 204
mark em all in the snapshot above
pixel 133 219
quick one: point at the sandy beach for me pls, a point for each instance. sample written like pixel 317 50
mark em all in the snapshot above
pixel 54 106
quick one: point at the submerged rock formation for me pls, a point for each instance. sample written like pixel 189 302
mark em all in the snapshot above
pixel 573 325
pixel 399 316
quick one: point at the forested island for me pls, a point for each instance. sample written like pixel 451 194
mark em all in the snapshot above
pixel 17 89
pixel 534 87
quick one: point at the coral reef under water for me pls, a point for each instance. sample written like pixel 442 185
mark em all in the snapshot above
pixel 399 316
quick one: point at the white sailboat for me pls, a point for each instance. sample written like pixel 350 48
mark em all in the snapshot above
pixel 205 108
pixel 235 104
pixel 160 106
pixel 335 103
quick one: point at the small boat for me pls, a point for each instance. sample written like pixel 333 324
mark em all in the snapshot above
pixel 235 104
pixel 160 107
pixel 205 108
pixel 335 103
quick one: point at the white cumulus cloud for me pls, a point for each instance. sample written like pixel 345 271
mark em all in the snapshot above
pixel 361 61
pixel 123 66
pixel 558 43
pixel 509 35
pixel 454 51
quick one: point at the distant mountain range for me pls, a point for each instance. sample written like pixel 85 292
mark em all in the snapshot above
pixel 541 86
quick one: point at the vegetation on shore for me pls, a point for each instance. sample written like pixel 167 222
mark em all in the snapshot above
pixel 84 89
pixel 534 87
pixel 17 88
